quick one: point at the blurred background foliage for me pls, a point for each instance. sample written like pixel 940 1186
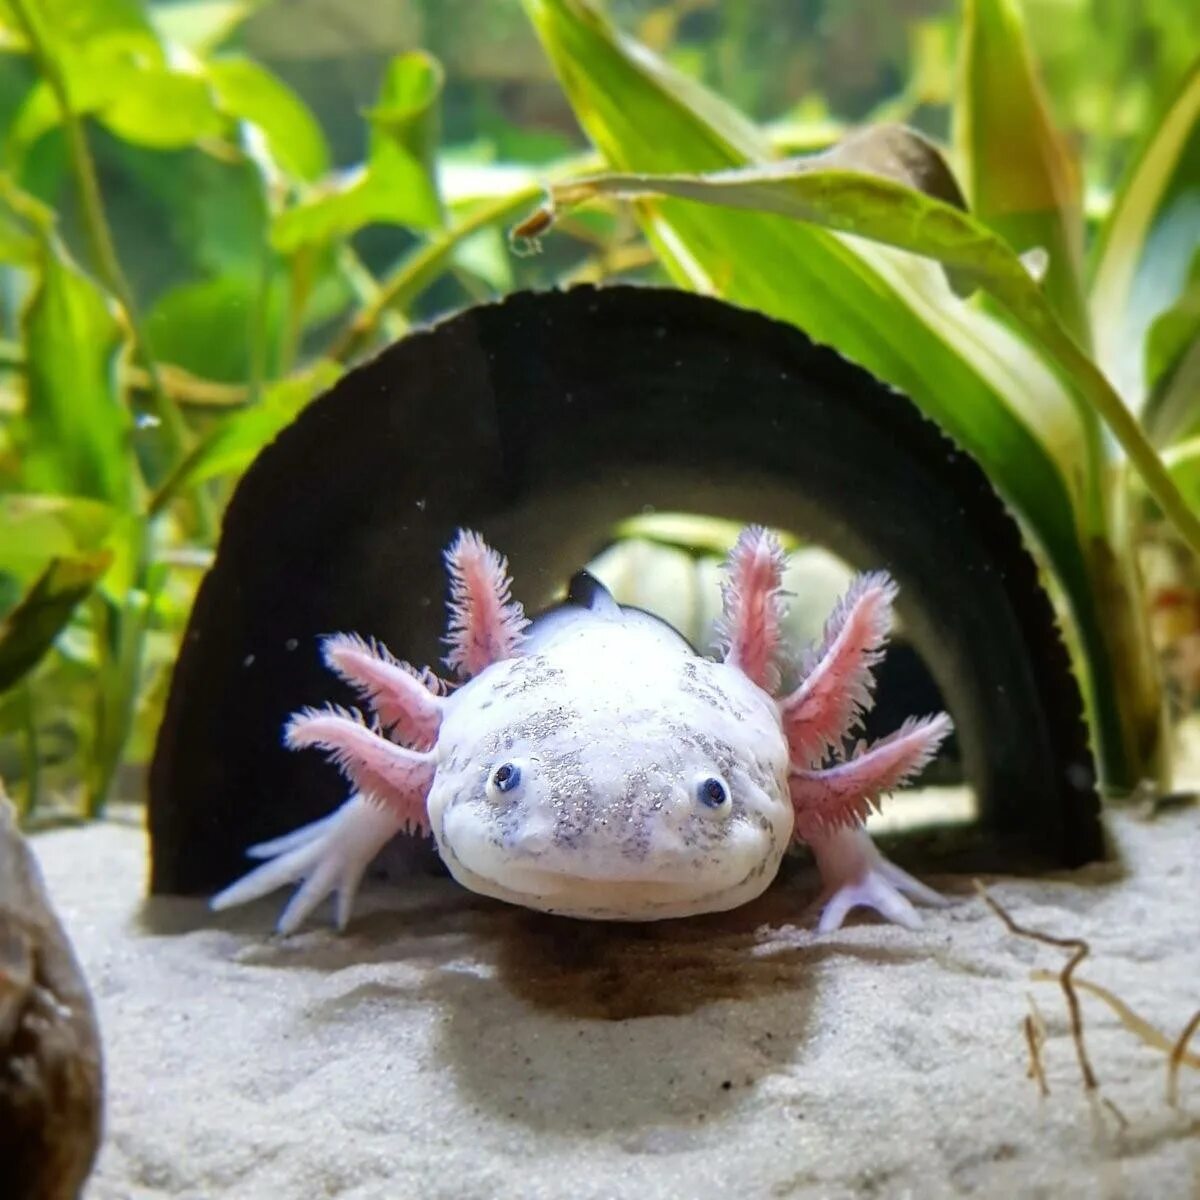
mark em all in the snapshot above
pixel 209 208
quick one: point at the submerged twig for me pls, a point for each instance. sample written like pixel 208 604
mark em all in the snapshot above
pixel 1122 1119
pixel 1178 1054
pixel 1080 950
pixel 1132 1021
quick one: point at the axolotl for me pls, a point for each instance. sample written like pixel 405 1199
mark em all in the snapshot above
pixel 591 763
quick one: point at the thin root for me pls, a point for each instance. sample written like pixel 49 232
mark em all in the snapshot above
pixel 1132 1021
pixel 1122 1119
pixel 1080 950
pixel 1035 1035
pixel 1178 1055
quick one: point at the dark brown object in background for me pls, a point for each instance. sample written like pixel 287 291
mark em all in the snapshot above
pixel 51 1078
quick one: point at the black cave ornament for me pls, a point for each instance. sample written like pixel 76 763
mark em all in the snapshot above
pixel 543 421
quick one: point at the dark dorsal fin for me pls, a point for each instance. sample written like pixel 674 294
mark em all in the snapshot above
pixel 586 591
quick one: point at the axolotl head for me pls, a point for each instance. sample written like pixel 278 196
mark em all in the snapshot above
pixel 615 778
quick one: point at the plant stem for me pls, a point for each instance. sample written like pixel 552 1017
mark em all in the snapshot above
pixel 178 382
pixel 422 267
pixel 32 755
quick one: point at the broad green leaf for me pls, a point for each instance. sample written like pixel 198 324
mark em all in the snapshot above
pixel 214 327
pixel 163 109
pixel 251 93
pixel 75 426
pixel 1020 175
pixel 234 444
pixel 64 24
pixel 29 630
pixel 74 23
pixel 397 184
pixel 215 211
pixel 112 65
pixel 142 101
pixel 1175 331
pixel 1146 247
pixel 34 529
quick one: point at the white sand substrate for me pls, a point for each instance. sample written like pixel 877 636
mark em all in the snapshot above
pixel 449 1046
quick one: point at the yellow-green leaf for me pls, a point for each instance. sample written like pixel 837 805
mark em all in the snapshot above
pixel 233 445
pixel 75 428
pixel 1147 244
pixel 1183 461
pixel 36 528
pixel 248 91
pixel 1020 176
pixel 397 183
pixel 29 630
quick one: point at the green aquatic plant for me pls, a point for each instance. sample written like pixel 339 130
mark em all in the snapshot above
pixel 849 244
pixel 124 422
pixel 183 267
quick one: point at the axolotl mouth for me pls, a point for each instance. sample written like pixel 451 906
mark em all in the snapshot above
pixel 613 897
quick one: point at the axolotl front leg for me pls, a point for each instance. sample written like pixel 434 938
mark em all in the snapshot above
pixel 830 802
pixel 390 762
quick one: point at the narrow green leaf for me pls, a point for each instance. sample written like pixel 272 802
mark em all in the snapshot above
pixel 30 629
pixel 249 92
pixel 1173 366
pixel 1020 176
pixel 886 309
pixel 75 428
pixel 1146 246
pixel 890 312
pixel 834 190
pixel 1183 461
pixel 234 444
pixel 884 210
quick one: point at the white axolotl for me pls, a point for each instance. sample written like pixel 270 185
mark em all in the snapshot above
pixel 592 764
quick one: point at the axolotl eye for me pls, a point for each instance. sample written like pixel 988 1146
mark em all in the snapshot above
pixel 712 792
pixel 505 778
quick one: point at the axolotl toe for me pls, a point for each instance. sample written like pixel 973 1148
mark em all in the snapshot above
pixel 590 763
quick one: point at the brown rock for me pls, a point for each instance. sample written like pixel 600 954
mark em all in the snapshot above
pixel 50 1062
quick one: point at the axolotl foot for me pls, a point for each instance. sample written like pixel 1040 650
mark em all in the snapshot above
pixel 328 858
pixel 855 875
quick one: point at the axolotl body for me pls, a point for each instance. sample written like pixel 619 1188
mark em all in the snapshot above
pixel 592 764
